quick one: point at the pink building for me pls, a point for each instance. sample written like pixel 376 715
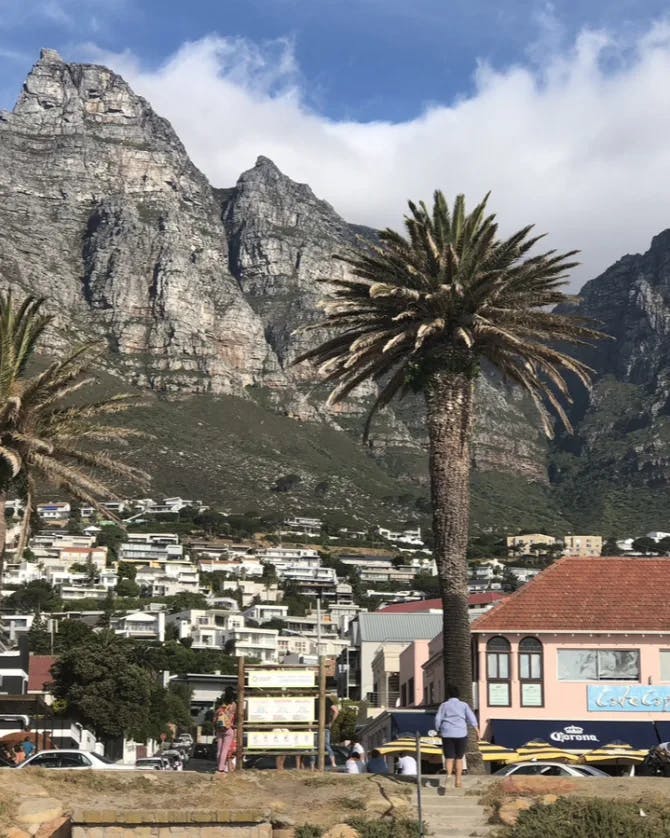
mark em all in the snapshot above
pixel 580 656
pixel 410 677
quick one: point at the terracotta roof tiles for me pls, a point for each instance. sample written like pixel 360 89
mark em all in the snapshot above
pixel 588 594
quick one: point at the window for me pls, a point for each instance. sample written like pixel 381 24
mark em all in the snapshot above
pixel 498 672
pixel 530 672
pixel 665 664
pixel 598 665
pixel 410 691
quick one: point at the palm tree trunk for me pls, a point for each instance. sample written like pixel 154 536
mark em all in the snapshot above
pixel 3 533
pixel 450 408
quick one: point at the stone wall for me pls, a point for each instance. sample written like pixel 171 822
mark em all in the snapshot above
pixel 168 823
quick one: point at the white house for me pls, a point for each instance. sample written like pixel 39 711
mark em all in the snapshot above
pixel 141 625
pixel 151 548
pixel 54 511
pixel 264 612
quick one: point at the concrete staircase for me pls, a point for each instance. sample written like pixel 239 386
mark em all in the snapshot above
pixel 455 814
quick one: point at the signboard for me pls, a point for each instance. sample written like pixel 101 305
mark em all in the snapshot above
pixel 531 695
pixel 281 740
pixel 280 709
pixel 498 695
pixel 288 679
pixel 633 698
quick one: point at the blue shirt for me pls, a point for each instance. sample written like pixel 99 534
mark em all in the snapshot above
pixel 28 748
pixel 452 719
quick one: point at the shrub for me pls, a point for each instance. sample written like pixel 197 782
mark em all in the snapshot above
pixel 571 817
pixel 396 828
pixel 308 830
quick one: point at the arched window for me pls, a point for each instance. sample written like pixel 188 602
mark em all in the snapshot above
pixel 498 673
pixel 531 672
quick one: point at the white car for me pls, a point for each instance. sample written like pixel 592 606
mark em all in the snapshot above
pixel 152 764
pixel 549 769
pixel 73 759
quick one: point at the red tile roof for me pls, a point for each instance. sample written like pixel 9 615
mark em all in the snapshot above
pixel 423 605
pixel 39 672
pixel 588 594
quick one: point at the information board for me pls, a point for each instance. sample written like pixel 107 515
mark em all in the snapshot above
pixel 288 679
pixel 280 709
pixel 281 740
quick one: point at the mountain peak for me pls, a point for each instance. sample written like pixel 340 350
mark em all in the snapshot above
pixel 48 55
pixel 263 162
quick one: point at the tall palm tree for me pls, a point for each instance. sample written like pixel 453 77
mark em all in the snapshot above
pixel 47 431
pixel 421 312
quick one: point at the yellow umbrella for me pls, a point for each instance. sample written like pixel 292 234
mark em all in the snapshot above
pixel 495 753
pixel 542 750
pixel 429 746
pixel 616 753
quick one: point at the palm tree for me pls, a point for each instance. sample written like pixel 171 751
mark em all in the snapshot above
pixel 46 430
pixel 421 313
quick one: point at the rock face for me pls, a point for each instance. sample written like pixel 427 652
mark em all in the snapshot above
pixel 193 289
pixel 103 212
pixel 622 445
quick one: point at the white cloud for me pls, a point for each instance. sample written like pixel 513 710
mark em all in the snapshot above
pixel 578 145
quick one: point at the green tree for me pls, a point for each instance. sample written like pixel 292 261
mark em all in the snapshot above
pixel 71 634
pixel 126 587
pixel 610 547
pixel 105 687
pixel 34 596
pixel 126 570
pixel 509 581
pixel 421 313
pixel 39 637
pixel 111 536
pixel 185 600
pixel 645 545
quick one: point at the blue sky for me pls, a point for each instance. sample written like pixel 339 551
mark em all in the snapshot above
pixel 562 109
pixel 359 59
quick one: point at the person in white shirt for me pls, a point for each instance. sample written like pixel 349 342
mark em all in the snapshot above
pixel 357 748
pixel 353 764
pixel 407 765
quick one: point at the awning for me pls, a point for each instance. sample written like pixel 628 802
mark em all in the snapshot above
pixel 663 730
pixel 578 735
pixel 409 724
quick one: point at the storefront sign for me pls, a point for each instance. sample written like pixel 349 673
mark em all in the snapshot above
pixel 628 699
pixel 280 740
pixel 571 734
pixel 280 709
pixel 287 679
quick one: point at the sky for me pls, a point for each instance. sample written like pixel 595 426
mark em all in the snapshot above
pixel 561 109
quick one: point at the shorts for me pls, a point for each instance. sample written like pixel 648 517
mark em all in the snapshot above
pixel 454 748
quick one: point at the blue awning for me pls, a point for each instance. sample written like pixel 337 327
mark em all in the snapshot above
pixel 663 730
pixel 578 735
pixel 409 724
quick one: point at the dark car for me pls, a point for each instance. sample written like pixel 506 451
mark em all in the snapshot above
pixel 204 750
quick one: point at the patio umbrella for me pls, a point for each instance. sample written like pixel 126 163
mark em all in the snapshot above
pixel 615 753
pixel 542 750
pixel 495 753
pixel 430 746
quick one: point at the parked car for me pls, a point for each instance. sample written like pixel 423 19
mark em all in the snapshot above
pixel 73 759
pixel 204 750
pixel 152 764
pixel 549 769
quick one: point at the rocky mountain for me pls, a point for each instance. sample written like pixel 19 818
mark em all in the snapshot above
pixel 620 457
pixel 201 295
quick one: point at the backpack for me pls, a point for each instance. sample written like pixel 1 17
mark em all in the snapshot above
pixel 225 717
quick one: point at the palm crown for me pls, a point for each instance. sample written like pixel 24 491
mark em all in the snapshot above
pixel 45 427
pixel 444 297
